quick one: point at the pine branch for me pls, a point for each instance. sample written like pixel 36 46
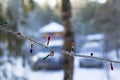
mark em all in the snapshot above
pixel 72 54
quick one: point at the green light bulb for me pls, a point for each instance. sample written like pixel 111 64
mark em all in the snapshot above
pixel 5 22
pixel 46 57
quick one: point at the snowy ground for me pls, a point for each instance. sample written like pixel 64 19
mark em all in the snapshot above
pixel 79 73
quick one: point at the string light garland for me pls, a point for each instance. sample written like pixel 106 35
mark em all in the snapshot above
pixel 73 46
pixel 91 54
pixel 46 57
pixel 4 23
pixel 31 48
pixel 111 66
pixel 18 34
pixel 31 44
pixel 48 40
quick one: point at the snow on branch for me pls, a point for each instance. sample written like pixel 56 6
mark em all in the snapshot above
pixel 72 54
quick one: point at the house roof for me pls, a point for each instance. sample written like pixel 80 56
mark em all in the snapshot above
pixel 52 27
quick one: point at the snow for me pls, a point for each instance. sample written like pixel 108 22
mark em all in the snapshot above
pixel 79 73
pixel 45 75
pixel 95 37
pixel 16 69
pixel 91 44
pixel 112 54
pixel 114 74
pixel 52 27
pixel 99 1
pixel 89 74
pixel 59 42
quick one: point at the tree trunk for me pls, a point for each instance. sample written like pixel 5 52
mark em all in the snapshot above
pixel 117 52
pixel 68 38
pixel 117 46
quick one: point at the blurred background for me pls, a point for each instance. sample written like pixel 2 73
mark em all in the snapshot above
pixel 93 24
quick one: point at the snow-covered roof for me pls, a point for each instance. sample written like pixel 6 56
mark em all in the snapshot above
pixel 52 27
pixel 95 37
pixel 56 43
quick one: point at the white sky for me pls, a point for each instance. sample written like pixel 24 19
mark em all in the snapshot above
pixel 100 1
pixel 53 2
